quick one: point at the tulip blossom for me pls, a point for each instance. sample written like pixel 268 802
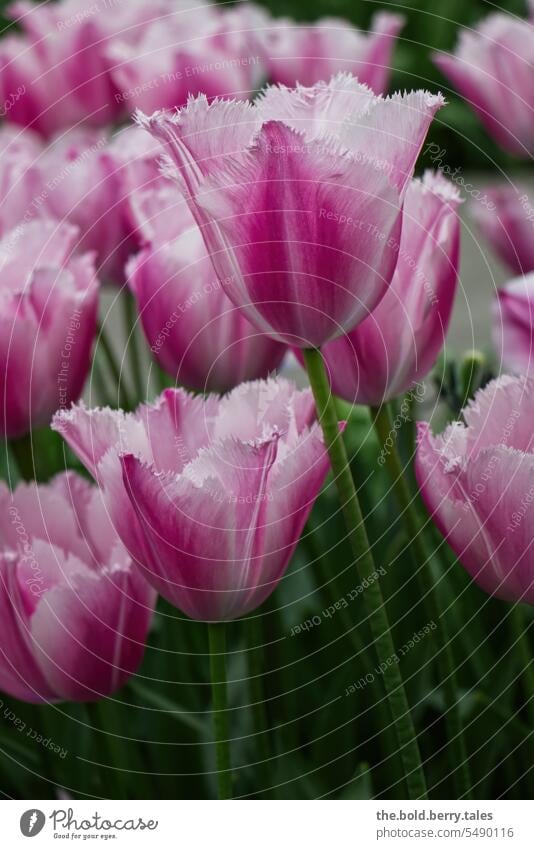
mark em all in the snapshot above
pixel 508 225
pixel 209 495
pixel 204 49
pixel 476 481
pixel 493 68
pixel 398 343
pixel 82 184
pixel 59 62
pixel 48 307
pixel 79 176
pixel 306 53
pixel 513 325
pixel 197 335
pixel 20 181
pixel 75 612
pixel 299 197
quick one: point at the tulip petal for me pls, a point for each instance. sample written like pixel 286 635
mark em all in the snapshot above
pixel 202 532
pixel 300 222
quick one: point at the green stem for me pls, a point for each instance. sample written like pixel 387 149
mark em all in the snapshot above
pixel 102 392
pixel 376 611
pixel 110 775
pixel 385 737
pixel 22 451
pixel 525 654
pixel 132 342
pixel 383 424
pixel 217 643
pixel 254 641
pixel 123 395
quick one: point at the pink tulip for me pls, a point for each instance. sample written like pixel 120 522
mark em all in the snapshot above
pixel 307 53
pixel 209 495
pixel 82 184
pixel 508 225
pixel 136 158
pixel 398 343
pixel 492 67
pixel 59 63
pixel 193 329
pixel 80 176
pixel 205 49
pixel 299 197
pixel 75 613
pixel 48 306
pixel 20 182
pixel 513 323
pixel 476 481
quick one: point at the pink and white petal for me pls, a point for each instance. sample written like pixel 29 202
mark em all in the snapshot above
pixel 20 675
pixel 31 245
pixel 450 507
pixel 98 544
pixel 92 433
pixel 160 215
pixel 318 111
pixel 177 426
pixel 207 132
pixel 201 531
pixel 254 410
pixel 501 556
pixel 36 512
pixel 383 32
pixel 390 134
pixel 311 232
pixel 501 414
pixel 89 636
pixel 294 484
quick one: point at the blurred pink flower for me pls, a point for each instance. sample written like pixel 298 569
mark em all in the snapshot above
pixel 207 49
pixel 306 53
pixel 477 483
pixel 82 184
pixel 20 181
pixel 513 325
pixel 75 612
pixel 195 332
pixel 48 307
pixel 81 176
pixel 60 61
pixel 508 227
pixel 209 495
pixel 493 68
pixel 398 343
pixel 299 197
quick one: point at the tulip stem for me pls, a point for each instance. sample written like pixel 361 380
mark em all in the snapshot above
pixel 118 377
pixel 217 643
pixel 22 451
pixel 254 638
pixel 132 341
pixel 383 424
pixel 110 774
pixel 368 576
